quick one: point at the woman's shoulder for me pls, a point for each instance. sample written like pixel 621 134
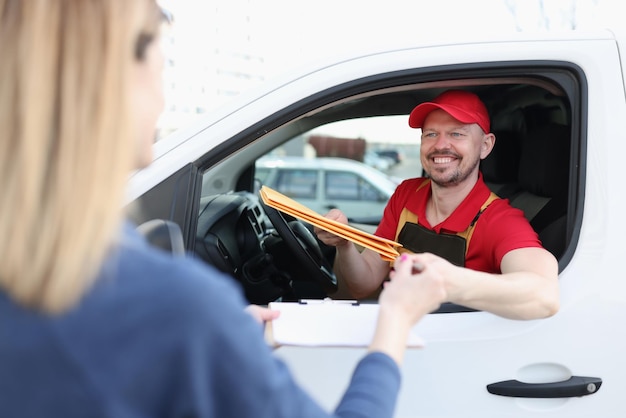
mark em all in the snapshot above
pixel 144 278
pixel 150 307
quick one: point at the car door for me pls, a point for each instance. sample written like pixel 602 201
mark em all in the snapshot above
pixel 354 195
pixel 300 184
pixel 474 363
pixel 479 364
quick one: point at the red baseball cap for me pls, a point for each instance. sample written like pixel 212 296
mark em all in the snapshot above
pixel 462 105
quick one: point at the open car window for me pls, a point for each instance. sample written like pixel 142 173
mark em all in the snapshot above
pixel 351 148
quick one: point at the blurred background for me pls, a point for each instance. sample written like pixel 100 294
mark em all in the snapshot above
pixel 217 49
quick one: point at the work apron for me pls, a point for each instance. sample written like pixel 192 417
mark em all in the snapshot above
pixel 417 239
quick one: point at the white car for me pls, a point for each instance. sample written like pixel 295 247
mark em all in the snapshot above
pixel 557 104
pixel 358 190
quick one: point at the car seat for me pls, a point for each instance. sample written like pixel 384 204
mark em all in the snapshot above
pixel 543 177
pixel 500 168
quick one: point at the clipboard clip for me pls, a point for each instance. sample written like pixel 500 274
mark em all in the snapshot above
pixel 328 301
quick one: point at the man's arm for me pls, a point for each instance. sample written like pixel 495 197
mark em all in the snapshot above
pixel 362 273
pixel 528 287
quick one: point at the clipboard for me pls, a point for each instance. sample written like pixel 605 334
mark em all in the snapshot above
pixel 327 323
pixel 385 247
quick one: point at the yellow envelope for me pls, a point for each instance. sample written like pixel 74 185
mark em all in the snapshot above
pixel 385 247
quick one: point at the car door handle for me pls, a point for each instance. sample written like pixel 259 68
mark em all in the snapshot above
pixel 573 387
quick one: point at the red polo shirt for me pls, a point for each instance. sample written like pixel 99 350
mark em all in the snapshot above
pixel 499 229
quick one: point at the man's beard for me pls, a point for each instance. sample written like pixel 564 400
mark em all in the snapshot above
pixel 458 176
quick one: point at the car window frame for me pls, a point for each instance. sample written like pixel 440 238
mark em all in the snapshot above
pixel 568 76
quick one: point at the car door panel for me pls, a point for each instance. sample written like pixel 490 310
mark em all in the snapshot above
pixel 468 352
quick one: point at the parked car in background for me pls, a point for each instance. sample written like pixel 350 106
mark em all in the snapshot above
pixel 394 155
pixel 378 162
pixel 324 183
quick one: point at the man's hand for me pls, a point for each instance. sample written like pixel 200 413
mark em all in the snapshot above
pixel 329 238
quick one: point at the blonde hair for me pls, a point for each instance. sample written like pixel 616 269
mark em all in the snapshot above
pixel 66 141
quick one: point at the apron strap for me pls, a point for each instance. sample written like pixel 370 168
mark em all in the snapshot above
pixel 408 216
pixel 467 234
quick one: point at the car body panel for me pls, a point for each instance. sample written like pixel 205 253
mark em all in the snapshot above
pixel 467 351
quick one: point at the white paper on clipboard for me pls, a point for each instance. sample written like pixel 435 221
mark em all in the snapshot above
pixel 324 323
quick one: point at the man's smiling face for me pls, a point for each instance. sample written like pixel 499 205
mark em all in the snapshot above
pixel 451 150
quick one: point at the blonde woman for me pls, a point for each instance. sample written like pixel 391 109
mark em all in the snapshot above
pixel 94 322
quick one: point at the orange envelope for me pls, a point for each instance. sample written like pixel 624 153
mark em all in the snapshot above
pixel 385 247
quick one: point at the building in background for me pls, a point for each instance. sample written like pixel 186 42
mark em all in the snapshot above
pixel 210 58
pixel 218 49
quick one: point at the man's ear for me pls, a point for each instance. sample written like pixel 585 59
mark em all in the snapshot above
pixel 489 140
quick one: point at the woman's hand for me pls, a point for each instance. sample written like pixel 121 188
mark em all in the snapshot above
pixel 262 314
pixel 415 289
pixel 416 286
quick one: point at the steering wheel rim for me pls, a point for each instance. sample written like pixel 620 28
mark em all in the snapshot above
pixel 315 264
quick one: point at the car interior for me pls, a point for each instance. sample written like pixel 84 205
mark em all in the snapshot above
pixel 535 118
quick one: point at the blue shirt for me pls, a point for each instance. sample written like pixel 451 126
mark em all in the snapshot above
pixel 161 336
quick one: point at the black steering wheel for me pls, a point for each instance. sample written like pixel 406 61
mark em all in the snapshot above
pixel 304 247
